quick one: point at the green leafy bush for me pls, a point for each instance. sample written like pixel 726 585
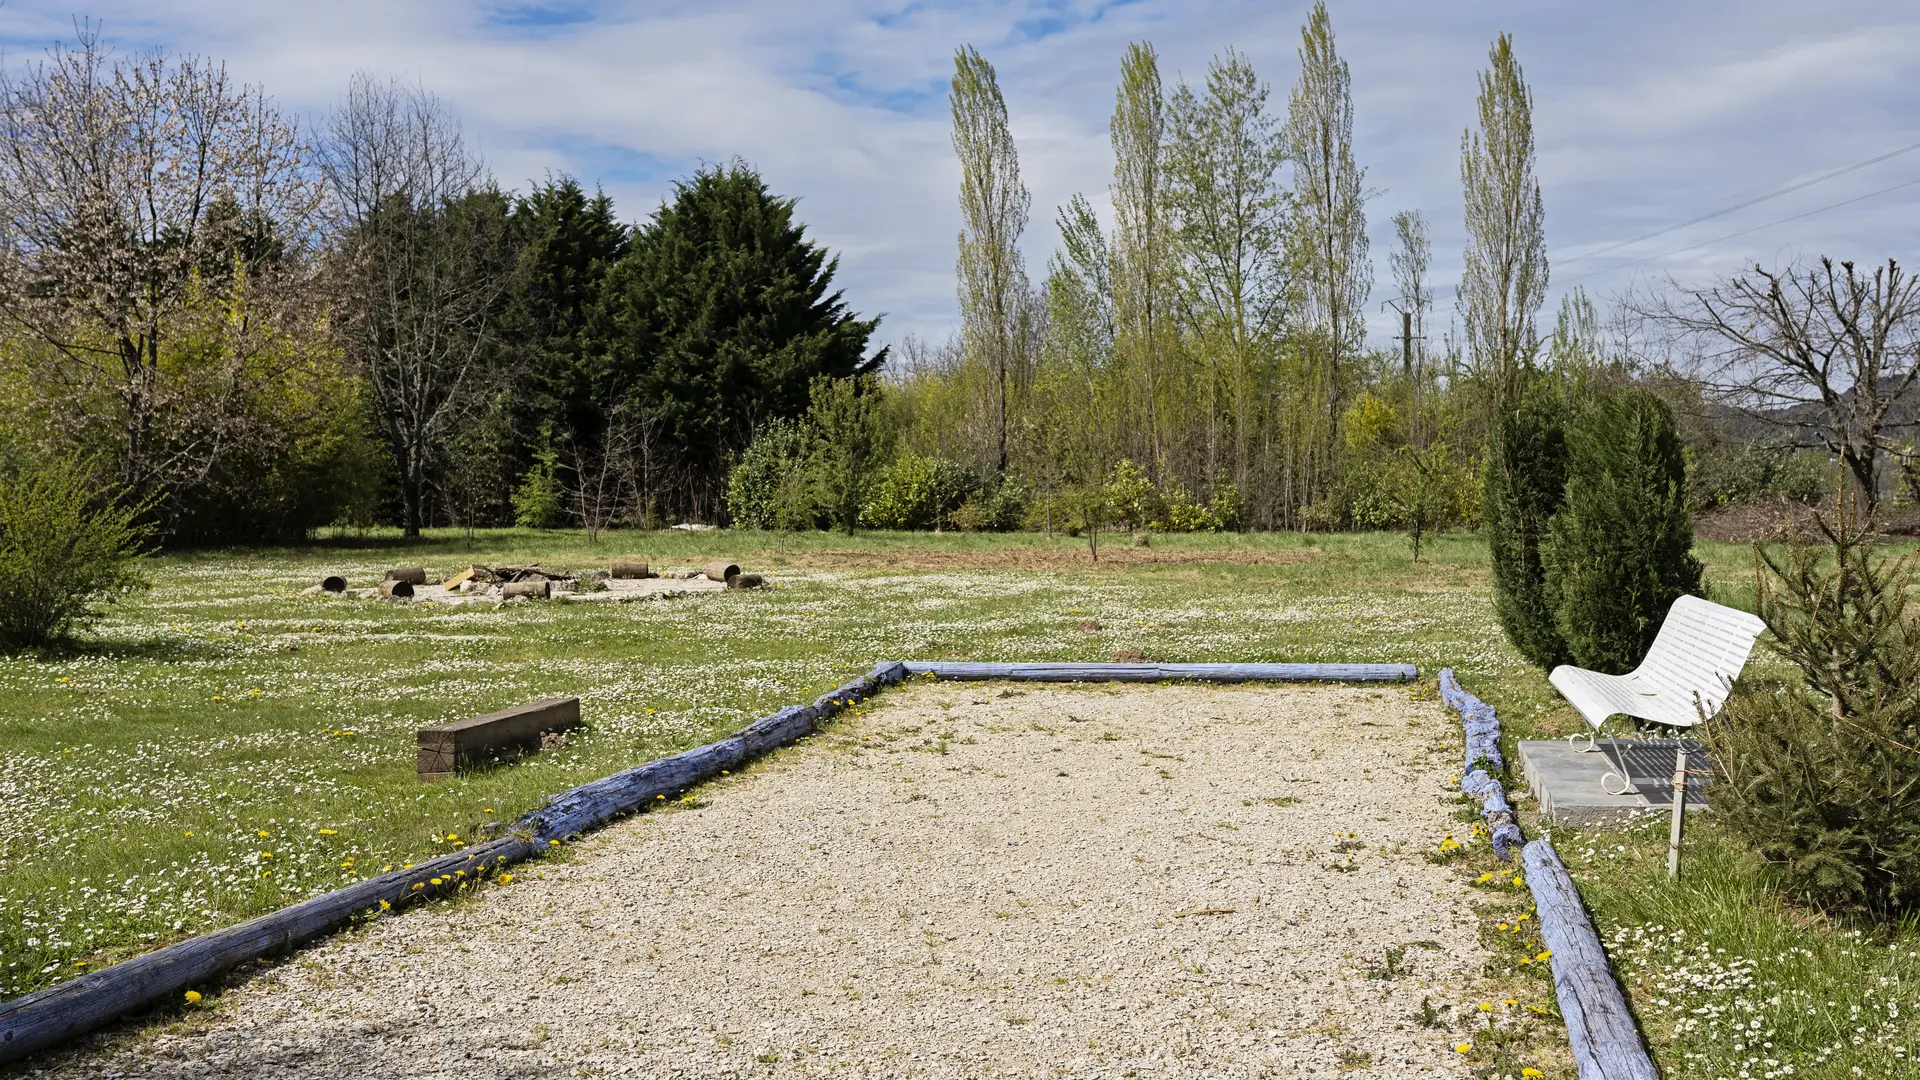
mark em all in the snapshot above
pixel 538 499
pixel 914 491
pixel 1131 500
pixel 65 545
pixel 847 433
pixel 1822 780
pixel 1622 548
pixel 998 506
pixel 1179 512
pixel 1526 476
pixel 1227 506
pixel 767 488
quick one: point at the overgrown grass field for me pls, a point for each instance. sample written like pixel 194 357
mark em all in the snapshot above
pixel 225 745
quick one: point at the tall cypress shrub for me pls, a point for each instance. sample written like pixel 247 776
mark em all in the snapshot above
pixel 1526 480
pixel 1622 548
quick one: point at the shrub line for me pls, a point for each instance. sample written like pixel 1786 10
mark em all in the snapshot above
pixel 1601 1031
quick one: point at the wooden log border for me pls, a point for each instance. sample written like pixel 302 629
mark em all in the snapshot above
pixel 60 1012
pixel 44 1018
pixel 1601 1031
pixel 1481 776
pixel 1600 1027
pixel 1224 673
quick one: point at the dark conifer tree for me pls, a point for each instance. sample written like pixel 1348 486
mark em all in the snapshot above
pixel 719 317
pixel 1623 542
pixel 1526 481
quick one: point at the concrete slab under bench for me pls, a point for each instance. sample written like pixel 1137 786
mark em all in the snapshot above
pixel 1567 783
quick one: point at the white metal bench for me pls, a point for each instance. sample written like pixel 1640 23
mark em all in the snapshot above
pixel 1686 676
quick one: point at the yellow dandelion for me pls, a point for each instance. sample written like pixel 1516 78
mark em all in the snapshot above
pixel 417 886
pixel 1531 1073
pixel 553 843
pixel 1486 1007
pixel 193 997
pixel 329 832
pixel 386 905
pixel 1463 1048
pixel 506 879
pixel 1519 881
pixel 1510 1002
pixel 1544 954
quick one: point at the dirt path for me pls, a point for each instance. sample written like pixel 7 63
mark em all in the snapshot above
pixel 967 881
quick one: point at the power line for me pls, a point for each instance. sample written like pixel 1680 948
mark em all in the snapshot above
pixel 1743 232
pixel 1444 291
pixel 1790 189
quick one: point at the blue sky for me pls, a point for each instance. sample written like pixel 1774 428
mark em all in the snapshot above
pixel 1648 114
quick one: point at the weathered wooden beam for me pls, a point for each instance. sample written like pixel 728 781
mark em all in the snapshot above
pixel 1601 1030
pixel 628 569
pixel 45 1017
pixel 1101 672
pixel 448 748
pixel 412 575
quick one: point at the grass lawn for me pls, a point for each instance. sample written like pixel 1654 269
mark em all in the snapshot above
pixel 226 745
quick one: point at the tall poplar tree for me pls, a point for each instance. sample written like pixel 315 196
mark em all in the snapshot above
pixel 1500 290
pixel 1330 220
pixel 994 204
pixel 1141 261
pixel 1228 217
pixel 1506 258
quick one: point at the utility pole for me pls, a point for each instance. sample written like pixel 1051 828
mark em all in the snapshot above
pixel 1406 344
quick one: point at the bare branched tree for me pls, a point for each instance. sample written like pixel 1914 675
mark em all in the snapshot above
pixel 1822 353
pixel 421 259
pixel 609 475
pixel 155 222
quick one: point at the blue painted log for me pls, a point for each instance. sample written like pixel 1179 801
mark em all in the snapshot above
pixel 1223 673
pixel 58 1013
pixel 588 805
pixel 1483 763
pixel 1601 1030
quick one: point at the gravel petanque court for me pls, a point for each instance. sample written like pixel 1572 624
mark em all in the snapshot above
pixel 965 880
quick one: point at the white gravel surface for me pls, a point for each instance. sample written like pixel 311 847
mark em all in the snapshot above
pixel 969 880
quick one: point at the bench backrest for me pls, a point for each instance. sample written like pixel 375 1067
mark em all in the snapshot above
pixel 1701 648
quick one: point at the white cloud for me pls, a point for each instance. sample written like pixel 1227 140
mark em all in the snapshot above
pixel 1647 113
